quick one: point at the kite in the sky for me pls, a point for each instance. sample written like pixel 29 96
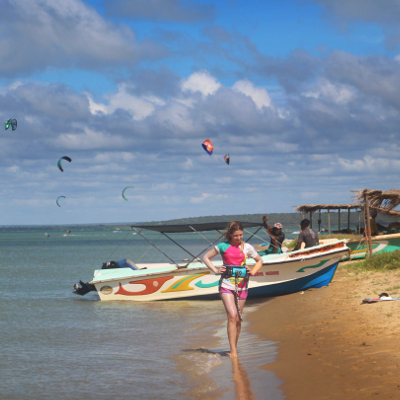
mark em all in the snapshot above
pixel 11 122
pixel 123 192
pixel 59 162
pixel 227 158
pixel 57 200
pixel 207 146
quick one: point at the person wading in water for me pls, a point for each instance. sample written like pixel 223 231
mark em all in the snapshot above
pixel 233 287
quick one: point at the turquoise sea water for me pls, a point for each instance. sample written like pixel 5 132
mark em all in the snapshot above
pixel 56 345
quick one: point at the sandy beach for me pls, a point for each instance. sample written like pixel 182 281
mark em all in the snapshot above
pixel 331 345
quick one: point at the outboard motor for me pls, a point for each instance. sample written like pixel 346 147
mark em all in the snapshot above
pixel 85 288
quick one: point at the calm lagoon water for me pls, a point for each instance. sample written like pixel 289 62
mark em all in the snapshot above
pixel 56 345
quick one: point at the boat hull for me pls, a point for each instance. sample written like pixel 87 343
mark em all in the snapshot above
pixel 380 244
pixel 280 274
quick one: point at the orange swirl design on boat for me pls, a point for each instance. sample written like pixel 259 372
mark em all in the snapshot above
pixel 152 285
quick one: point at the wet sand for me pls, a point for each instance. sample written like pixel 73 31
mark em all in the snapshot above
pixel 331 345
pixel 211 374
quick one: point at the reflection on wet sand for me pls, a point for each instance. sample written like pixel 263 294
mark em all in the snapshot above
pixel 242 382
pixel 239 375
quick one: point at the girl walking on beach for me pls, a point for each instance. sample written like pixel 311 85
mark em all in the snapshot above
pixel 234 254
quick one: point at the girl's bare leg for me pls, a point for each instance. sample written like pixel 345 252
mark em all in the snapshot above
pixel 234 324
pixel 239 324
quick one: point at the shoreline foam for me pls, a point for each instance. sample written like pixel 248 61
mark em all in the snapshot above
pixel 331 345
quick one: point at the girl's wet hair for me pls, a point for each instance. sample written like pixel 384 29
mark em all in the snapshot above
pixel 232 228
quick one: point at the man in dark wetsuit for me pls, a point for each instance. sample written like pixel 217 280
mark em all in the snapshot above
pixel 276 235
pixel 307 235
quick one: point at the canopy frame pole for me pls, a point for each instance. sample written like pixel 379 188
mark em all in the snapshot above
pixel 329 221
pixel 359 221
pixel 368 224
pixel 211 245
pixel 339 219
pixel 173 241
pixel 147 240
pixel 194 230
pixel 253 234
pixel 310 219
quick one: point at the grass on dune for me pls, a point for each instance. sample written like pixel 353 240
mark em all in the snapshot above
pixel 378 262
pixel 340 236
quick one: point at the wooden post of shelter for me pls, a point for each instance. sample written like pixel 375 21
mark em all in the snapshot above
pixel 348 219
pixel 319 221
pixel 365 222
pixel 368 224
pixel 310 219
pixel 339 219
pixel 329 221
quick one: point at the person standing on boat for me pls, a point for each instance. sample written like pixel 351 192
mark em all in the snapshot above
pixel 375 227
pixel 276 235
pixel 233 289
pixel 307 235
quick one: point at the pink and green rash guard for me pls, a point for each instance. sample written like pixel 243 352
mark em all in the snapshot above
pixel 234 255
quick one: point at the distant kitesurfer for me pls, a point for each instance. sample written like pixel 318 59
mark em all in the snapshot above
pixel 307 235
pixel 234 277
pixel 276 235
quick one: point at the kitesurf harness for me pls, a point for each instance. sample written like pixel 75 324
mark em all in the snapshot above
pixel 237 272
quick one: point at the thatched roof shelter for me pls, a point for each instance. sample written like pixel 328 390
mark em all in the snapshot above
pixel 311 208
pixel 388 199
pixel 316 207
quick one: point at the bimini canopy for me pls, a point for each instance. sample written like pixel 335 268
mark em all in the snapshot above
pixel 211 226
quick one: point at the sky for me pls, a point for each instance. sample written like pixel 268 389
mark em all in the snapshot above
pixel 303 94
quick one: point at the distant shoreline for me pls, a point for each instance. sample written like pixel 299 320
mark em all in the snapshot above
pixel 286 219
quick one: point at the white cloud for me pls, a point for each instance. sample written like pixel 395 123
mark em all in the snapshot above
pixel 259 95
pixel 88 140
pixel 309 195
pixel 13 169
pixel 110 156
pixel 59 32
pixel 176 116
pixel 286 147
pixel 370 164
pixel 205 196
pixel 139 107
pixel 202 82
pixel 188 164
pixel 335 93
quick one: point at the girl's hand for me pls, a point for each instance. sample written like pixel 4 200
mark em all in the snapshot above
pixel 248 270
pixel 222 270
